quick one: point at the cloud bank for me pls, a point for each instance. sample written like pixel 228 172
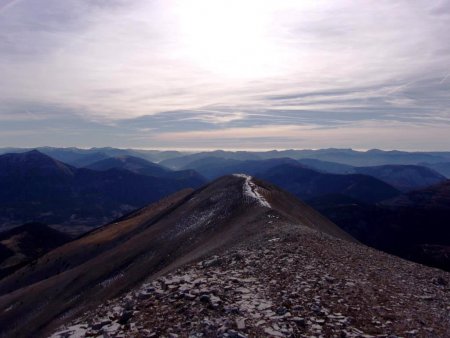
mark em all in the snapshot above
pixel 225 74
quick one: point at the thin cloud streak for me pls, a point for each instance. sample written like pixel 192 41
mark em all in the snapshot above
pixel 162 66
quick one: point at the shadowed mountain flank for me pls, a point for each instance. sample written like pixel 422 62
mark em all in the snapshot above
pixel 23 244
pixel 35 187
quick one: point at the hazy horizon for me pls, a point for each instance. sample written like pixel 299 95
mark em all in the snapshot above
pixel 196 150
pixel 221 74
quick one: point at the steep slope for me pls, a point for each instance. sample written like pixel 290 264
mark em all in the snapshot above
pixel 25 243
pixel 166 235
pixel 20 165
pixel 289 282
pixel 35 187
pixel 308 184
pixel 413 225
pixel 434 197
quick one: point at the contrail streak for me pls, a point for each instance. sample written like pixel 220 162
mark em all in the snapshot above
pixel 5 4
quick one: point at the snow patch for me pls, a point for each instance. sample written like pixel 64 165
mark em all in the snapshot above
pixel 109 281
pixel 74 331
pixel 250 189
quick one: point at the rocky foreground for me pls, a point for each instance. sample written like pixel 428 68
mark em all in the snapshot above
pixel 290 281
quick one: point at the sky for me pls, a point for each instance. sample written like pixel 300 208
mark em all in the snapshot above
pixel 229 74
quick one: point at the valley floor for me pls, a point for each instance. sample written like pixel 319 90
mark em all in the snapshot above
pixel 289 282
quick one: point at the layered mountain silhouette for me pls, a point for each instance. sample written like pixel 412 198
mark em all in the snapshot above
pixel 327 167
pixel 307 184
pixel 131 163
pixel 441 167
pixel 82 157
pixel 176 159
pixel 143 167
pixel 402 177
pixel 214 167
pixel 234 258
pixel 35 187
pixel 373 157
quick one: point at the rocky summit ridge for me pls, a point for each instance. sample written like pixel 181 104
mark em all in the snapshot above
pixel 274 287
pixel 236 258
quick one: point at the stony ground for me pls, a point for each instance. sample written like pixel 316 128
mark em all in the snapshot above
pixel 290 282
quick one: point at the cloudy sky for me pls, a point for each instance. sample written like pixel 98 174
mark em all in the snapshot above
pixel 234 74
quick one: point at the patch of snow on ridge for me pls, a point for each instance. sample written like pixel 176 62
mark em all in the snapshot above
pixel 251 190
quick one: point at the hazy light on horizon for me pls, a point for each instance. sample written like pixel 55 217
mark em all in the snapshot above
pixel 225 74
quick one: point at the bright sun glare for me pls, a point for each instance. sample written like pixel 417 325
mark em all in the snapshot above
pixel 228 38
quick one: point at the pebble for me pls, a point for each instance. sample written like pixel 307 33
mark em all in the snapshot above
pixel 280 289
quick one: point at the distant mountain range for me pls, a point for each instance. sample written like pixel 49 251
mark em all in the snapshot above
pixel 438 161
pixel 307 184
pixel 143 167
pixel 82 157
pixel 35 187
pixel 401 177
pixel 350 157
pixel 399 208
pixel 214 167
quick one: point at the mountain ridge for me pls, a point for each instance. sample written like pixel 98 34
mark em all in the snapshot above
pixel 306 183
pixel 216 216
pixel 35 187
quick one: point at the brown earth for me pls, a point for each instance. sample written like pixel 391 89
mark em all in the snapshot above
pixel 111 260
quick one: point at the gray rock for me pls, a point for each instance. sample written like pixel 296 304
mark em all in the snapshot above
pixel 299 321
pixel 281 311
pixel 440 281
pixel 234 334
pixel 205 298
pixel 240 323
pixel 125 317
pixel 189 296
